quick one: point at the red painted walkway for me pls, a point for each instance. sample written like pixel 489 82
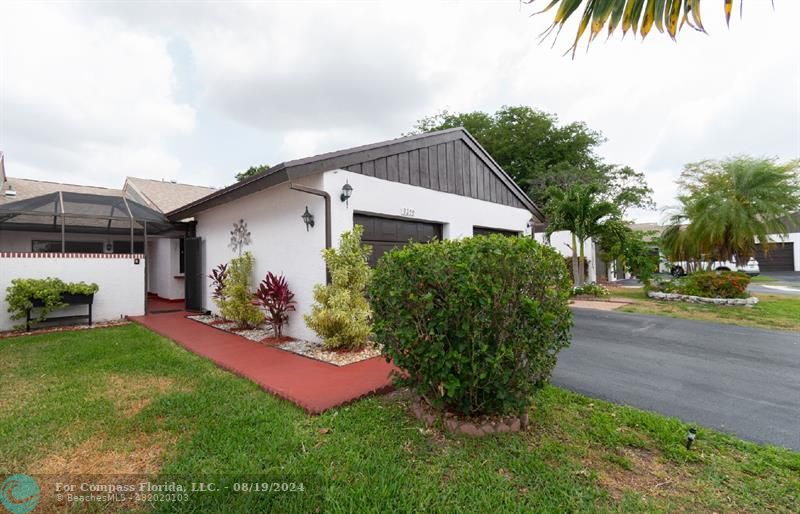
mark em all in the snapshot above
pixel 313 385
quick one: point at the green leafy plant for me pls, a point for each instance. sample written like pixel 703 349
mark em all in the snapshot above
pixel 590 289
pixel 581 210
pixel 634 15
pixel 475 323
pixel 708 284
pixel 23 292
pixel 341 313
pixel 237 304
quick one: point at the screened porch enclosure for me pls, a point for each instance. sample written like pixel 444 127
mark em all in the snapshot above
pixel 59 217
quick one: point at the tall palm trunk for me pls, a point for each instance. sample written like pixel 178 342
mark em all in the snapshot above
pixel 581 264
pixel 575 264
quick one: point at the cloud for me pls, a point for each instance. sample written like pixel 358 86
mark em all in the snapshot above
pixel 264 82
pixel 90 102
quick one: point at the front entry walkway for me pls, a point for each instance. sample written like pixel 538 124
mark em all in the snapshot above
pixel 313 385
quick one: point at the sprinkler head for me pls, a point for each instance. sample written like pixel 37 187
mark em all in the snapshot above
pixel 691 437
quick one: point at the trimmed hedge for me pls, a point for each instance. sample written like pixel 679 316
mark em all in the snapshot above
pixel 476 323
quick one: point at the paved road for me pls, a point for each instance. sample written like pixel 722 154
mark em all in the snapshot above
pixel 740 380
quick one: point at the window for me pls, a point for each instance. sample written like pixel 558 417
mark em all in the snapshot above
pixel 182 252
pixel 69 246
pixel 124 246
pixel 485 231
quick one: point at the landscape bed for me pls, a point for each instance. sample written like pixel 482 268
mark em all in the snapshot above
pixel 144 405
pixel 264 334
pixel 772 311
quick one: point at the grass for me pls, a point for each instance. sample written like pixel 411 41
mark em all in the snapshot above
pixel 123 399
pixel 773 311
pixel 762 278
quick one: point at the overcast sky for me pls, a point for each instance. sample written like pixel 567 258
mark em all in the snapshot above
pixel 191 91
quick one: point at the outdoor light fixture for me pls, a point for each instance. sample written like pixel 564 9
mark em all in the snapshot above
pixel 691 437
pixel 308 219
pixel 347 191
pixel 532 226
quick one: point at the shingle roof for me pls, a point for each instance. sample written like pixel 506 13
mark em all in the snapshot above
pixel 28 188
pixel 166 196
pixel 647 227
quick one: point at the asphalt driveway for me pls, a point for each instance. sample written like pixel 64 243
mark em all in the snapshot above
pixel 740 380
pixel 785 282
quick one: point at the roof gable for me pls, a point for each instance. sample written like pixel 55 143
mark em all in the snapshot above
pixel 450 161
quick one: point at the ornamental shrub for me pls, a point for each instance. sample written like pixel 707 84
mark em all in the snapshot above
pixel 218 276
pixel 475 323
pixel 277 300
pixel 341 314
pixel 237 303
pixel 708 284
pixel 22 292
pixel 716 284
pixel 591 289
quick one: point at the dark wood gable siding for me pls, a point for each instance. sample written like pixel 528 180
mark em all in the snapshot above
pixel 450 167
pixel 449 160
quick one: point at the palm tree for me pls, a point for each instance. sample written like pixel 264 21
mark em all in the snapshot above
pixel 634 15
pixel 727 206
pixel 582 212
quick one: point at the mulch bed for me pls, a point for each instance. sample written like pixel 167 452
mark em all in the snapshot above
pixel 476 426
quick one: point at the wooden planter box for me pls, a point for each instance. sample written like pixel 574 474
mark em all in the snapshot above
pixel 69 299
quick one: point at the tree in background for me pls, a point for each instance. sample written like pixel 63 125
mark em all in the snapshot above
pixel 634 15
pixel 537 153
pixel 726 206
pixel 580 210
pixel 634 251
pixel 252 171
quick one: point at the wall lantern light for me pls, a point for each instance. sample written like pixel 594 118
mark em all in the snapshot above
pixel 532 227
pixel 308 219
pixel 347 191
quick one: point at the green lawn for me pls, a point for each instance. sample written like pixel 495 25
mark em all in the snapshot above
pixel 123 399
pixel 773 311
pixel 762 278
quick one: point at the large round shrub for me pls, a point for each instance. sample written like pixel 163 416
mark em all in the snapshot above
pixel 475 323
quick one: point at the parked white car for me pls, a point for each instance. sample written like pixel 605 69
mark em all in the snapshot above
pixel 678 269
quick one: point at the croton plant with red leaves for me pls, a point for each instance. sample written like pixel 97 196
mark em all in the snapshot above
pixel 275 297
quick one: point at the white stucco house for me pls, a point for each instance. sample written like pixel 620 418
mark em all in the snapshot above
pixel 434 185
pixel 561 241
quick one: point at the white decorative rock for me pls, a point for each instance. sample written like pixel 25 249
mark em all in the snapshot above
pixel 657 295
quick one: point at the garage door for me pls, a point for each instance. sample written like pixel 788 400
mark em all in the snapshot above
pixel 779 258
pixel 384 234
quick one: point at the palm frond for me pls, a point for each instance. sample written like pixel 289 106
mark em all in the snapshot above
pixel 634 15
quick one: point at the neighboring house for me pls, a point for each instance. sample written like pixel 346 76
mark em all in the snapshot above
pixel 99 225
pixel 436 185
pixel 784 255
pixel 561 241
